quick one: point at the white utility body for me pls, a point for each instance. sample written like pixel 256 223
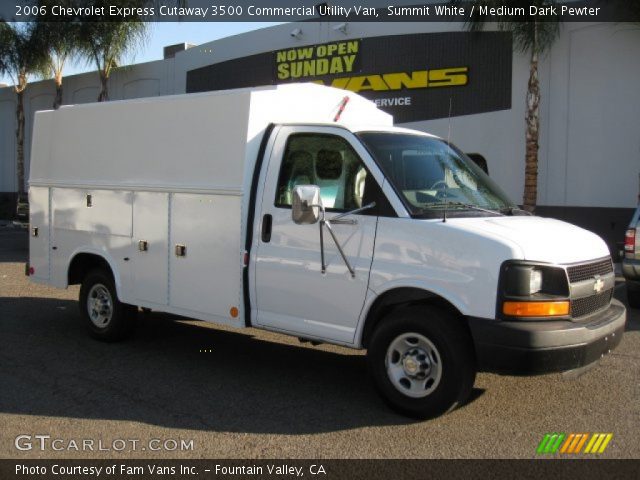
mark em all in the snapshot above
pixel 302 209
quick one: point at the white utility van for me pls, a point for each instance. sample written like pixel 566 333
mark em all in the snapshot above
pixel 301 209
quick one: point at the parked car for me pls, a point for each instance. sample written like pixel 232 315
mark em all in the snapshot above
pixel 22 207
pixel 631 261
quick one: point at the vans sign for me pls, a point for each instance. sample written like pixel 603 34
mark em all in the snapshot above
pixel 413 77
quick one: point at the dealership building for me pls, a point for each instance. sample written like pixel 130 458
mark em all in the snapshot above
pixel 435 77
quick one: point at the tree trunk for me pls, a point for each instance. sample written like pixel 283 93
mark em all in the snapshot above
pixel 58 100
pixel 20 139
pixel 532 135
pixel 104 92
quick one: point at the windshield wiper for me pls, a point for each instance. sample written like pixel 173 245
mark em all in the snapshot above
pixel 464 205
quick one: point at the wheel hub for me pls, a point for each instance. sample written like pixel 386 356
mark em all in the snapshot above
pixel 99 305
pixel 415 363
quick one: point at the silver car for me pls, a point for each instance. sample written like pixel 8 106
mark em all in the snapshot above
pixel 631 260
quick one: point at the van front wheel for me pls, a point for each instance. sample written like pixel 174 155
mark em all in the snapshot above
pixel 106 317
pixel 422 361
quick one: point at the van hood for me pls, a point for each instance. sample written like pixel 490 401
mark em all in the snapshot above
pixel 537 238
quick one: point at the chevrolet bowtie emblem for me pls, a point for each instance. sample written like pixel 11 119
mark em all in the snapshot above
pixel 598 284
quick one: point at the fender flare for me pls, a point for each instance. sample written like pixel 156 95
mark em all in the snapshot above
pixel 102 253
pixel 393 295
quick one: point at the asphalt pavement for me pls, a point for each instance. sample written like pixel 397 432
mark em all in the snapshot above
pixel 252 394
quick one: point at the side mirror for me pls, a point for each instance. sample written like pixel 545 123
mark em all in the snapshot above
pixel 305 207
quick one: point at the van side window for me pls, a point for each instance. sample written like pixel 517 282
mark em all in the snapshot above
pixel 327 161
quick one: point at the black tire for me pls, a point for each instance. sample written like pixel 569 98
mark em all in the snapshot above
pixel 425 331
pixel 633 296
pixel 107 319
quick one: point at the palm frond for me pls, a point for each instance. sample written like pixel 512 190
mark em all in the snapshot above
pixel 527 35
pixel 22 51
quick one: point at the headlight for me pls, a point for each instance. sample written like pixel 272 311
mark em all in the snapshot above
pixel 535 281
pixel 532 290
pixel 522 280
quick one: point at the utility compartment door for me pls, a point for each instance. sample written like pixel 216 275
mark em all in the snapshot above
pixel 291 292
pixel 151 247
pixel 205 261
pixel 39 232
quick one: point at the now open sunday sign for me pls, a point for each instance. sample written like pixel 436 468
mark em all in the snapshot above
pixel 413 77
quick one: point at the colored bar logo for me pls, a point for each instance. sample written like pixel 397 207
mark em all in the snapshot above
pixel 574 443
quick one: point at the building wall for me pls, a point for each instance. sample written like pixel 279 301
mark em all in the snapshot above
pixel 142 80
pixel 589 140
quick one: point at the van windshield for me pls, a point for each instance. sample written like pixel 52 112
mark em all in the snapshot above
pixel 432 175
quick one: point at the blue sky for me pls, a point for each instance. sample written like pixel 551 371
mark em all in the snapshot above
pixel 162 34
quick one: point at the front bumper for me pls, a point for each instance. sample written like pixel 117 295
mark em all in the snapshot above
pixel 522 347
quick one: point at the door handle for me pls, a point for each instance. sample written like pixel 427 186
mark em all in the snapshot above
pixel 343 221
pixel 266 228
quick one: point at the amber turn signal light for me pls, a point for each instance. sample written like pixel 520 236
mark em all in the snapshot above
pixel 535 309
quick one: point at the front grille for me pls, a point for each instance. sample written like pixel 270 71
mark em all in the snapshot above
pixel 584 306
pixel 578 273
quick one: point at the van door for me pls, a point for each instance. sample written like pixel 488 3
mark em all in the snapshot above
pixel 291 293
pixel 151 247
pixel 39 236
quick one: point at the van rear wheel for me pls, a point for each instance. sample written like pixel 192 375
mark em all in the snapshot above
pixel 422 361
pixel 105 316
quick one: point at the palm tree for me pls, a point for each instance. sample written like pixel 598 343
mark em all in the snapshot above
pixel 61 49
pixel 22 54
pixel 533 38
pixel 105 43
pixel 61 39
